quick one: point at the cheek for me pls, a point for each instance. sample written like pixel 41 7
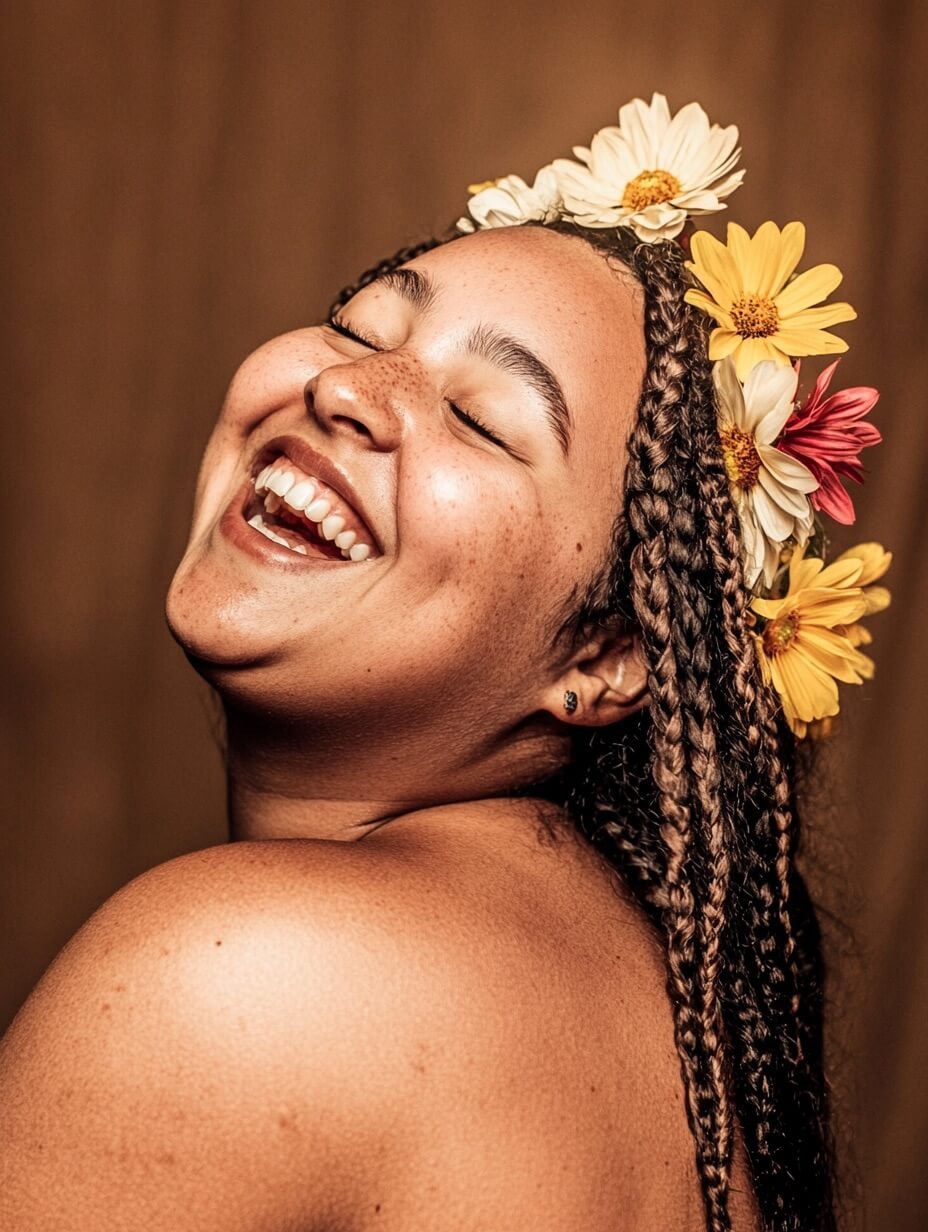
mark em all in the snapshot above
pixel 217 473
pixel 479 543
pixel 448 507
pixel 270 379
pixel 468 513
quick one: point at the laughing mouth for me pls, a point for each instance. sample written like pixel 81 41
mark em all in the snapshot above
pixel 300 513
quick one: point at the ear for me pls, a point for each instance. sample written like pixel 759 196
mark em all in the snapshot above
pixel 608 676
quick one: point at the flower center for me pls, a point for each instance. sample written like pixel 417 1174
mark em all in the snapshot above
pixel 742 461
pixel 755 316
pixel 780 633
pixel 649 188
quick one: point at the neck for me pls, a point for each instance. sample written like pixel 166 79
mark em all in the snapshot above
pixel 258 810
pixel 297 781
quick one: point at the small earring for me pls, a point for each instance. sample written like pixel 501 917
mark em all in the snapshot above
pixel 570 701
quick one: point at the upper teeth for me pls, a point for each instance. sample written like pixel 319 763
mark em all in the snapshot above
pixel 317 510
pixel 283 483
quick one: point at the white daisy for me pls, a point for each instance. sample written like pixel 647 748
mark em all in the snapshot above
pixel 770 489
pixel 652 172
pixel 509 200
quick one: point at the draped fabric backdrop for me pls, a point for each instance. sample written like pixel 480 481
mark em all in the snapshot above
pixel 185 180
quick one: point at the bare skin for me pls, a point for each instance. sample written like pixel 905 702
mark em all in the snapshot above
pixel 398 999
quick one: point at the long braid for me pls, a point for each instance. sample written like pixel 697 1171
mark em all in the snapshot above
pixel 672 614
pixel 766 898
pixel 771 1006
pixel 706 843
pixel 790 1153
pixel 768 881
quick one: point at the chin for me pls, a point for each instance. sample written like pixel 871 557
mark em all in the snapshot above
pixel 214 622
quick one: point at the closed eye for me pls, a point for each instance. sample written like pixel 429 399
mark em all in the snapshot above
pixel 340 326
pixel 478 426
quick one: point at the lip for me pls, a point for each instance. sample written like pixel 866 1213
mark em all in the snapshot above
pixel 234 528
pixel 320 467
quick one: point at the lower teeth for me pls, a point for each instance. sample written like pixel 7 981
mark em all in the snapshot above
pixel 272 503
pixel 258 523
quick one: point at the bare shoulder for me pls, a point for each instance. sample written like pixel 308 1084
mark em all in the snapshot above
pixel 266 1034
pixel 221 1046
pixel 224 1043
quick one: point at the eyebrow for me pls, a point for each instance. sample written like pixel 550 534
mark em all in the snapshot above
pixel 512 356
pixel 496 347
pixel 413 286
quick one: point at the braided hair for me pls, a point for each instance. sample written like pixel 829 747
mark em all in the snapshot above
pixel 693 800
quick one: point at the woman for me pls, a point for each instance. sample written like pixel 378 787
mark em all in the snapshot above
pixel 509 933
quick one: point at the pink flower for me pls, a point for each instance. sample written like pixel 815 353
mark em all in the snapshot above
pixel 827 435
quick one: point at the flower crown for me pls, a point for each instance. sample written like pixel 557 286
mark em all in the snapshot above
pixel 785 457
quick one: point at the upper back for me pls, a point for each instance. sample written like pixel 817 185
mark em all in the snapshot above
pixel 456 1022
pixel 576 1108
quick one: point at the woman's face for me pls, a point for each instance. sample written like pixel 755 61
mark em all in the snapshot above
pixel 476 534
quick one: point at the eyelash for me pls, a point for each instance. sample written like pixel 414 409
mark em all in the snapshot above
pixel 341 327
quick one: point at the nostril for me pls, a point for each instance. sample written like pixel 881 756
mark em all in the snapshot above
pixel 350 422
pixel 345 398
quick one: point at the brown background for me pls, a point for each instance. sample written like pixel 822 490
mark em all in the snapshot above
pixel 186 179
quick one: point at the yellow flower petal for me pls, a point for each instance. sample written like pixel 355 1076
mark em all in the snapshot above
pixel 844 571
pixel 754 351
pixel 752 255
pixel 798 342
pixel 812 692
pixel 878 599
pixel 828 608
pixel 831 651
pixel 774 321
pixel 714 267
pixel 791 244
pixel 770 609
pixel 816 636
pixel 857 635
pixel 803 570
pixel 818 318
pixel 722 342
pixel 866 666
pixel 874 559
pixel 808 288
pixel 699 299
pixel 762 658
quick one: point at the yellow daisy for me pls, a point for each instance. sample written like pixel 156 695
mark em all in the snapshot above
pixel 804 648
pixel 762 312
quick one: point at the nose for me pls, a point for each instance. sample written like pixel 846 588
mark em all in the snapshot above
pixel 370 398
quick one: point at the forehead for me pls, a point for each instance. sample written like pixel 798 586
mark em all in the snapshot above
pixel 579 311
